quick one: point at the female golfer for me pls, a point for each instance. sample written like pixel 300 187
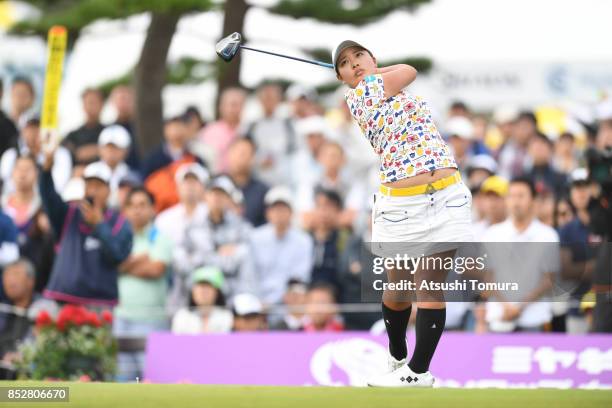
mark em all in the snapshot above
pixel 421 204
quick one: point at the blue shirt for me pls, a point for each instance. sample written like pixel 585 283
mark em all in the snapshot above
pixel 575 236
pixel 278 259
pixel 85 270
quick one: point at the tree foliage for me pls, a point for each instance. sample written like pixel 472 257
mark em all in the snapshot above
pixel 354 12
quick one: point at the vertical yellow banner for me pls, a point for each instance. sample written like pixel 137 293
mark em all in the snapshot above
pixel 56 49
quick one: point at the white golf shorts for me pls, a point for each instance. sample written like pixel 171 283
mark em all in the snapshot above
pixel 422 224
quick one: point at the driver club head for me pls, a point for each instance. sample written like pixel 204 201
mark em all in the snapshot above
pixel 228 47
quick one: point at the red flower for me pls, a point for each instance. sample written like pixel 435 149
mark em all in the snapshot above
pixel 43 319
pixel 62 322
pixel 93 320
pixel 107 317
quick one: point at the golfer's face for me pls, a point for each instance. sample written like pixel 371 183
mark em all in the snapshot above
pixel 354 64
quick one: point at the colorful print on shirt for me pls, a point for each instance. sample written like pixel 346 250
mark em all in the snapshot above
pixel 400 130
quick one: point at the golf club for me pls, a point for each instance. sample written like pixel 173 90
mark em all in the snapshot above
pixel 229 46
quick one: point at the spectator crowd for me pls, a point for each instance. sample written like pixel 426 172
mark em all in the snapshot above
pixel 232 226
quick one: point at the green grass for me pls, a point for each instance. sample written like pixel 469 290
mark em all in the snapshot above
pixel 205 396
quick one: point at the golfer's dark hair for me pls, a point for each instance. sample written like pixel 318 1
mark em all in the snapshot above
pixel 526 180
pixel 140 190
pixel 331 195
pixel 24 81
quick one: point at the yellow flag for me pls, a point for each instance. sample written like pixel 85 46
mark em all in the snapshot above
pixel 56 49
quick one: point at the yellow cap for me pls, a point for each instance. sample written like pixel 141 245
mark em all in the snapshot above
pixel 495 184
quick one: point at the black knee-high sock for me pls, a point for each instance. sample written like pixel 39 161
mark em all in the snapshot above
pixel 396 322
pixel 429 327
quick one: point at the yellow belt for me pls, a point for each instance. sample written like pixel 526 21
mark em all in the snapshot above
pixel 423 188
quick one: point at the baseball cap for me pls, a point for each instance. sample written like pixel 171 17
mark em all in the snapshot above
pixel 579 176
pixel 482 161
pixel 208 274
pixel 130 180
pixel 225 184
pixel 246 304
pixel 311 125
pixel 505 114
pixel 343 46
pixel 461 127
pixel 278 194
pixel 193 169
pixel 115 135
pixel 98 170
pixel 495 184
pixel 603 111
pixel 298 91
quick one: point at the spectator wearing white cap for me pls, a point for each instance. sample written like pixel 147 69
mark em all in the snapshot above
pixel 478 168
pixel 248 313
pixel 185 224
pixel 460 134
pixel 303 100
pixel 29 143
pixel 92 239
pixel 279 251
pixel 114 144
pixel 504 118
pixel 313 133
pixel 274 135
pixel 230 234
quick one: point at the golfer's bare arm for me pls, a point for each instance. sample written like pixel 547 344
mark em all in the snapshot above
pixel 396 78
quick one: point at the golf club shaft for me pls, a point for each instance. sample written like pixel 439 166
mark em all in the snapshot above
pixel 319 63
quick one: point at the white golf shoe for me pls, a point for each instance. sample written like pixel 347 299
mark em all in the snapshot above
pixel 403 377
